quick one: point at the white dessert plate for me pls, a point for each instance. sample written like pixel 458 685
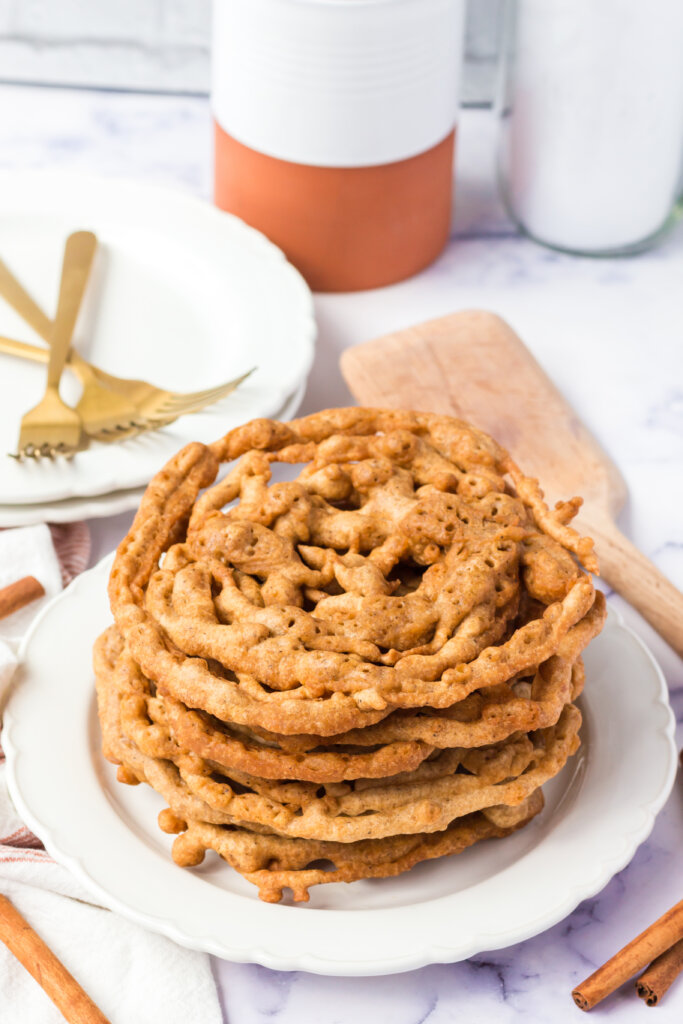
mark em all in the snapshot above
pixel 181 295
pixel 598 810
pixel 72 509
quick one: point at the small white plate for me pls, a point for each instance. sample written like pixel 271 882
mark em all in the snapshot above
pixel 72 509
pixel 598 810
pixel 181 294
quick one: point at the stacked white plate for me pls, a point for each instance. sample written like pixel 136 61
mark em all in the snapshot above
pixel 181 295
pixel 598 810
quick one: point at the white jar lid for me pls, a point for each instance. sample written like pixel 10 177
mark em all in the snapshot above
pixel 337 83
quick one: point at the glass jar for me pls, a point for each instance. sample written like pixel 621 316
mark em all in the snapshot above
pixel 590 105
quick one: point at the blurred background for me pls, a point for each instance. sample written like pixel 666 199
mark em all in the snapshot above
pixel 163 45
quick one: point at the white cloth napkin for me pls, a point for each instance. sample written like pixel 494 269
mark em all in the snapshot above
pixel 134 976
pixel 27 551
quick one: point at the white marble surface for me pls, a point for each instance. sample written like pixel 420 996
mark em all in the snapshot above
pixel 609 333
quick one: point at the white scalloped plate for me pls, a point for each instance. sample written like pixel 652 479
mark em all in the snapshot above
pixel 181 294
pixel 600 808
pixel 72 509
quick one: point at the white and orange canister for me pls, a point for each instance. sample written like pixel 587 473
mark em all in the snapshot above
pixel 335 129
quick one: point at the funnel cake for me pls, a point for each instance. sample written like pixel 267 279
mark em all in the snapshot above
pixel 376 659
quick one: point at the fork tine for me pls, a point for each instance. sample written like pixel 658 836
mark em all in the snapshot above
pixel 135 430
pixel 191 402
pixel 179 408
pixel 225 388
pixel 185 408
pixel 45 451
pixel 178 400
pixel 133 427
pixel 122 429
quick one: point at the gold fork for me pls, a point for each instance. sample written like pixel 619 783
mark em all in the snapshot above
pixel 52 427
pixel 111 408
pixel 105 415
pixel 109 416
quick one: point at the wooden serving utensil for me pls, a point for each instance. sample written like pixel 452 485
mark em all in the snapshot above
pixel 74 1004
pixel 473 365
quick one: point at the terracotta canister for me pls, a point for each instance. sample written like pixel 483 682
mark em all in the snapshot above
pixel 335 129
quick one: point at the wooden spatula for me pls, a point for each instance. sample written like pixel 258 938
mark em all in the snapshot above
pixel 474 366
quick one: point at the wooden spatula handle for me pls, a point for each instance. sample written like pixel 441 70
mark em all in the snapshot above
pixel 76 1005
pixel 629 572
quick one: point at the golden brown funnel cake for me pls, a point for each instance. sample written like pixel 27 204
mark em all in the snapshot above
pixel 379 651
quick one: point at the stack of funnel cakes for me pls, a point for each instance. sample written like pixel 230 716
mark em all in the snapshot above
pixel 337 677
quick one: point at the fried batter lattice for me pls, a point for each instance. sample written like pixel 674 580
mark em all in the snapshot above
pixel 274 864
pixel 376 659
pixel 387 575
pixel 458 781
pixel 403 739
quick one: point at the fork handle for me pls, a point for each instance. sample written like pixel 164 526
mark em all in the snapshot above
pixel 75 362
pixel 23 351
pixel 79 252
pixel 12 291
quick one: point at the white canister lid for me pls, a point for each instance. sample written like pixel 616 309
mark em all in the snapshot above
pixel 337 83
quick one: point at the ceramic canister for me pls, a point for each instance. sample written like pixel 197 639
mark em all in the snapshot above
pixel 335 128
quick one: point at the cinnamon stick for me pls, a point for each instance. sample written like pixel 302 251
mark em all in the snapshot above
pixel 641 951
pixel 660 975
pixel 30 950
pixel 18 595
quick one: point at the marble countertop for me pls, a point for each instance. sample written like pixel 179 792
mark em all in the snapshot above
pixel 609 333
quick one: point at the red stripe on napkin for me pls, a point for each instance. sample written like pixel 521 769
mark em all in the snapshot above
pixel 23 838
pixel 72 544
